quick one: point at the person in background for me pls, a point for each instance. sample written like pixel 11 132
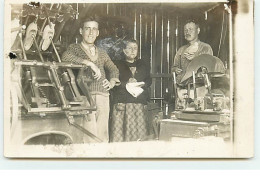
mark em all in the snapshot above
pixel 129 121
pixel 97 59
pixel 187 52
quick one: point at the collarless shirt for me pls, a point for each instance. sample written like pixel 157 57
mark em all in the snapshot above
pixel 180 61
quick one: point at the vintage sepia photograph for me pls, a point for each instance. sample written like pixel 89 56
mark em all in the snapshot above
pixel 122 79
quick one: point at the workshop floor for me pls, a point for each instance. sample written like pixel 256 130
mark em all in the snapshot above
pixel 205 147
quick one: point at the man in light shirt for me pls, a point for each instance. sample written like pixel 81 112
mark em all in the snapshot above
pixel 194 48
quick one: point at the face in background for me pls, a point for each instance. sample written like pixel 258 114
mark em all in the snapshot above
pixel 120 31
pixel 89 32
pixel 191 32
pixel 131 50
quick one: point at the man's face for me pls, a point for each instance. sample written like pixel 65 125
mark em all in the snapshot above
pixel 89 32
pixel 191 32
pixel 131 50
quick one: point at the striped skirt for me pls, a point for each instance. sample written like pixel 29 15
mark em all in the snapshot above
pixel 129 122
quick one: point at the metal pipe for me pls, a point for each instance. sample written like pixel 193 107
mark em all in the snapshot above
pixel 66 79
pixel 82 129
pixel 151 48
pixel 48 64
pixel 35 88
pixel 73 83
pixel 168 46
pixel 37 47
pixel 155 40
pixel 59 87
pixel 161 60
pixel 221 34
pixel 212 8
pixel 55 50
pixel 21 41
pixel 176 33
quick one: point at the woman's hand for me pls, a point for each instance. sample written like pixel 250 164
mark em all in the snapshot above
pixel 141 84
pixel 132 80
pixel 137 84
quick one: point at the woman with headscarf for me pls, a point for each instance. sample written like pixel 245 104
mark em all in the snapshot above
pixel 130 98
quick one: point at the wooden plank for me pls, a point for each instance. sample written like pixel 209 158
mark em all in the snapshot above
pixel 153 49
pixel 159 53
pixel 153 41
pixel 137 30
pixel 145 44
pixel 172 43
pixel 148 35
pixel 165 57
pixel 172 38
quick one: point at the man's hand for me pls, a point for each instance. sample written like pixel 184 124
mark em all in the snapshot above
pixel 108 85
pixel 96 70
pixel 177 70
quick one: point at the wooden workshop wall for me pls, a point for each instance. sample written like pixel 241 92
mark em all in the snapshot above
pixel 157 27
pixel 160 34
pixel 155 30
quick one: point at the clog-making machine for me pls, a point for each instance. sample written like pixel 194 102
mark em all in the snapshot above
pixel 54 95
pixel 202 101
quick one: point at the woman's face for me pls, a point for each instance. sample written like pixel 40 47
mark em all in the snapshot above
pixel 131 50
